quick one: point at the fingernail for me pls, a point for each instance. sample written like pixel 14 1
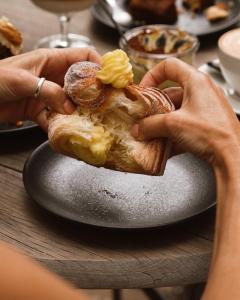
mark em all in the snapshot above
pixel 135 130
pixel 69 108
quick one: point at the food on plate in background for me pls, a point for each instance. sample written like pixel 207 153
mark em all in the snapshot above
pixel 166 11
pixel 12 125
pixel 217 12
pixel 161 41
pixel 98 132
pixel 146 46
pixel 19 123
pixel 10 39
pixel 154 11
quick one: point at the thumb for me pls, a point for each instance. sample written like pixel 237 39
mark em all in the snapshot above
pixel 160 125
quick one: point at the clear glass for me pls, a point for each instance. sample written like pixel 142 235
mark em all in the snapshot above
pixel 143 61
pixel 64 10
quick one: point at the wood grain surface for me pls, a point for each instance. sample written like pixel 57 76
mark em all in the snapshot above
pixel 88 256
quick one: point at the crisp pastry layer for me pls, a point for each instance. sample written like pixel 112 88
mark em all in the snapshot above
pixel 98 132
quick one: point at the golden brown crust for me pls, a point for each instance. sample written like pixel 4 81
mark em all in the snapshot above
pixel 156 101
pixel 81 84
pixel 112 112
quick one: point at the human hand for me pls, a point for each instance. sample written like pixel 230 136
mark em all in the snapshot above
pixel 205 124
pixel 19 78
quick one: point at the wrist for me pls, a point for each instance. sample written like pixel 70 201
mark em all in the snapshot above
pixel 226 158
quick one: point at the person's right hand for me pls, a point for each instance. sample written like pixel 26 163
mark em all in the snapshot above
pixel 205 124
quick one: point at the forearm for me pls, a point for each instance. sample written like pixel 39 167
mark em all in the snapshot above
pixel 23 279
pixel 224 275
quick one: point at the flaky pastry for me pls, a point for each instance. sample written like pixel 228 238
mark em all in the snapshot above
pixel 217 12
pixel 98 132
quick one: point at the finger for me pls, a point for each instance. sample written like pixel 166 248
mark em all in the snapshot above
pixel 43 61
pixel 74 55
pixel 54 97
pixel 42 120
pixel 160 125
pixel 11 112
pixel 54 63
pixel 169 69
pixel 176 150
pixel 176 95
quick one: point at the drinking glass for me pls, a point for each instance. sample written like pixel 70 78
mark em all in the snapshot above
pixel 64 10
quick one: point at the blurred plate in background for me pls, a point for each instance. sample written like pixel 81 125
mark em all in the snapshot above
pixel 8 128
pixel 197 24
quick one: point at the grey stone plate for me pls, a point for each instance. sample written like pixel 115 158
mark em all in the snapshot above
pixel 197 24
pixel 97 196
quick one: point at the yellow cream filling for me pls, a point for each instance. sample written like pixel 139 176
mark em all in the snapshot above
pixel 116 69
pixel 95 148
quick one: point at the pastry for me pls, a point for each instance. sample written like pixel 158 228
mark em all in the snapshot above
pixel 157 40
pixel 217 12
pixel 154 11
pixel 10 39
pixel 98 132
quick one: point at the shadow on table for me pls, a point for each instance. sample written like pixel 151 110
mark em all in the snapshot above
pixel 15 142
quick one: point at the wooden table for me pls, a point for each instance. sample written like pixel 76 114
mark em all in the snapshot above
pixel 87 256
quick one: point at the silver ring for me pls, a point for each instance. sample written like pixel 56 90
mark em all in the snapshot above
pixel 39 86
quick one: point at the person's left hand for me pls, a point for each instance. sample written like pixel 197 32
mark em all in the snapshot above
pixel 19 76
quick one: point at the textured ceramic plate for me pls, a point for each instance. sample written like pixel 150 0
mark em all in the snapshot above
pixel 102 197
pixel 8 128
pixel 232 97
pixel 197 25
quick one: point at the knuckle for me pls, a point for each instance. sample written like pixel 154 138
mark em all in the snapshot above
pixel 41 52
pixel 18 78
pixel 42 55
pixel 204 78
pixel 142 126
pixel 173 122
pixel 147 127
pixel 91 51
pixel 54 90
pixel 221 91
pixel 169 121
pixel 169 62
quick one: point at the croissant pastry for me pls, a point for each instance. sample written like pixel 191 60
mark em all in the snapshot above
pixel 98 132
